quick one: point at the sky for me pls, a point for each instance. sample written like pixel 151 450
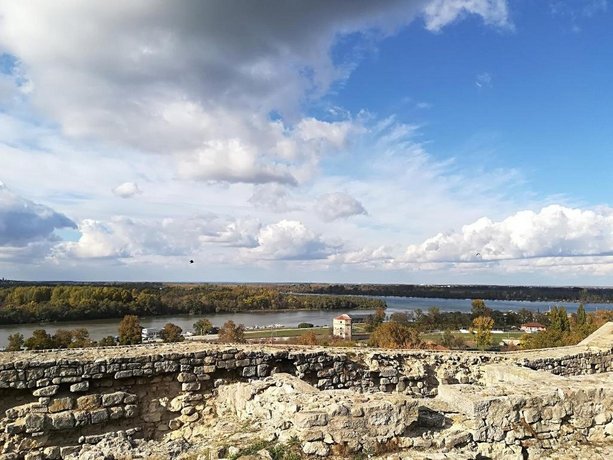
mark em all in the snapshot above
pixel 408 141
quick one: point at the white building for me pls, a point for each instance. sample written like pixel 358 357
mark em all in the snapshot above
pixel 149 334
pixel 532 327
pixel 341 327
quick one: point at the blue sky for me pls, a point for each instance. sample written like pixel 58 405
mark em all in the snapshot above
pixel 436 141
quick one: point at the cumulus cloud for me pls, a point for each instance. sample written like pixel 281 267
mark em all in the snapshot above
pixel 124 238
pixel 200 79
pixel 127 190
pixel 555 231
pixel 272 197
pixel 290 240
pixel 23 221
pixel 338 205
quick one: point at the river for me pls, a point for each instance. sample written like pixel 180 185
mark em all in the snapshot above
pixel 99 328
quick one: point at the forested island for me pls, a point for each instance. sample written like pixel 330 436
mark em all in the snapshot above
pixel 487 292
pixel 23 303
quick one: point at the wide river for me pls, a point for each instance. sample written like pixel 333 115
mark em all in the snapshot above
pixel 102 327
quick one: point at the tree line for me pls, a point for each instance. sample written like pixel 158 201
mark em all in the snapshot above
pixel 40 303
pixel 493 292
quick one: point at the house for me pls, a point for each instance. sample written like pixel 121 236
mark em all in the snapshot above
pixel 532 327
pixel 149 334
pixel 341 327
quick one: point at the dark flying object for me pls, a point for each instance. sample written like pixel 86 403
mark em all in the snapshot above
pixel 191 261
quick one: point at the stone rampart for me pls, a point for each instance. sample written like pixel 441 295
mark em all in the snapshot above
pixel 53 402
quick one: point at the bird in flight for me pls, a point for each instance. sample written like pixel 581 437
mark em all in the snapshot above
pixel 191 261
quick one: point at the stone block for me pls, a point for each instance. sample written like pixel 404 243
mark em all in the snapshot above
pixel 186 377
pixel 130 410
pixel 89 402
pixel 46 391
pixel 99 416
pixel 34 422
pixel 79 387
pixel 61 404
pixel 62 421
pixel 112 399
pixel 190 386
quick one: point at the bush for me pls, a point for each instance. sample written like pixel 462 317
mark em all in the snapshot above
pixel 171 333
pixel 305 325
pixel 231 333
pixel 395 335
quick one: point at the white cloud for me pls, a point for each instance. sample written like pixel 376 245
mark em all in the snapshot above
pixel 338 205
pixel 127 190
pixel 555 231
pixel 200 80
pixel 439 13
pixel 290 240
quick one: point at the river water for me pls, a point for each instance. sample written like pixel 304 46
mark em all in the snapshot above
pixel 102 327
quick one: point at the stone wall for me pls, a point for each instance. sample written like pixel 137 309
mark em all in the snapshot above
pixel 53 401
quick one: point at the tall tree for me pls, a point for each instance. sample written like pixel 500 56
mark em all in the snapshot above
pixel 482 326
pixel 15 342
pixel 581 316
pixel 558 319
pixel 395 335
pixel 130 330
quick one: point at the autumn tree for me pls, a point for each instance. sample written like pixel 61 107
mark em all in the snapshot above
pixel 171 333
pixel 482 327
pixel 558 319
pixel 40 340
pixel 310 338
pixel 395 335
pixel 202 326
pixel 581 316
pixel 130 330
pixel 231 333
pixel 15 342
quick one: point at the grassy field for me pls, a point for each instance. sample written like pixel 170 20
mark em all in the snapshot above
pixel 294 332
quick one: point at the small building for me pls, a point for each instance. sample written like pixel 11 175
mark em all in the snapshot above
pixel 150 334
pixel 532 327
pixel 341 327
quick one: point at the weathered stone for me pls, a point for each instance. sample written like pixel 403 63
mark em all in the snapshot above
pixel 112 399
pixel 62 421
pixel 99 416
pixel 46 391
pixel 61 404
pixel 34 422
pixel 190 386
pixel 79 387
pixel 315 448
pixel 89 402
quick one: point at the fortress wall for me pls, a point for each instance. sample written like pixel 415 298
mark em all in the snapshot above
pixel 57 400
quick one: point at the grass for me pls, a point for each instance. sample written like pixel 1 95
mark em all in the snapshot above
pixel 292 332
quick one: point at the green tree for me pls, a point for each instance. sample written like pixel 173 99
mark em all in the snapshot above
pixel 231 333
pixel 478 308
pixel 62 338
pixel 482 326
pixel 202 326
pixel 130 330
pixel 40 340
pixel 108 341
pixel 395 335
pixel 171 333
pixel 581 316
pixel 558 319
pixel 15 342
